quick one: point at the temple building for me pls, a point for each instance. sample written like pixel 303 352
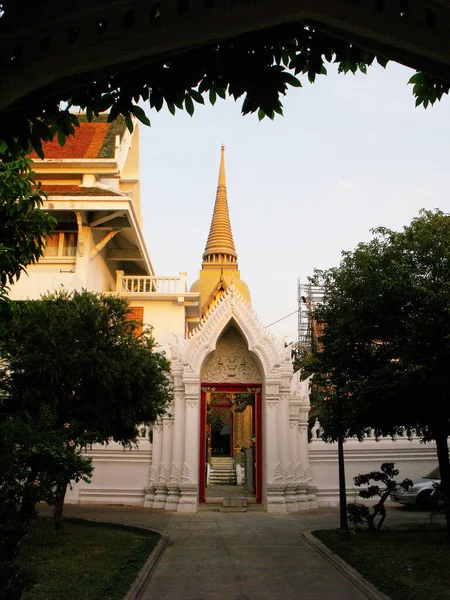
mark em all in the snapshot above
pixel 237 427
pixel 239 416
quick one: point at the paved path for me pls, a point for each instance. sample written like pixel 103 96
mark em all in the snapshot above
pixel 242 556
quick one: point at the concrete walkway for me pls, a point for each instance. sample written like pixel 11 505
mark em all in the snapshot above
pixel 243 556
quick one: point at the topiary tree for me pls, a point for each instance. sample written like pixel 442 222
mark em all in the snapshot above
pixel 359 513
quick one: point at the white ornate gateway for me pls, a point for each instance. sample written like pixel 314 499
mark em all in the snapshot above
pixel 237 405
pixel 231 347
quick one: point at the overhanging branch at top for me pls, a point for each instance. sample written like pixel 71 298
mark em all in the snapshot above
pixel 47 48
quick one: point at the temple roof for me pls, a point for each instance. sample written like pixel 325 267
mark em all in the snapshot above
pixel 77 190
pixel 220 244
pixel 96 139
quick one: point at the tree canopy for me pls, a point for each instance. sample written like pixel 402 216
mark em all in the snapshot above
pixel 259 67
pixel 77 353
pixel 386 337
pixel 23 225
pixel 73 372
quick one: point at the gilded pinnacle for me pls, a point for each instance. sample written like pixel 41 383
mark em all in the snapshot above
pixel 220 244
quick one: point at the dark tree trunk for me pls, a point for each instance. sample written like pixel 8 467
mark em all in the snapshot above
pixel 444 466
pixel 58 507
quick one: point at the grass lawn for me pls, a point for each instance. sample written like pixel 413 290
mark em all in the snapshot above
pixel 411 565
pixel 89 561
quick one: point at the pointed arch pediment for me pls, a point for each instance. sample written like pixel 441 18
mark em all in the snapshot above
pixel 232 309
pixel 231 362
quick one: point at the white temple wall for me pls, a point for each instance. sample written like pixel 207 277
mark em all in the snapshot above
pixel 412 458
pixel 167 319
pixel 120 475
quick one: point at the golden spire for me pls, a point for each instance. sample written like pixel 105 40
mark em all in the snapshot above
pixel 220 244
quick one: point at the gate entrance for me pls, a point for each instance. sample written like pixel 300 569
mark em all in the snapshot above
pixel 230 443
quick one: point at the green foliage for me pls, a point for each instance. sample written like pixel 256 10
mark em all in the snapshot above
pixel 72 373
pixel 78 354
pixel 387 324
pixel 97 561
pixel 23 225
pixel 427 88
pixel 255 67
pixel 386 340
pixel 360 513
pixel 402 564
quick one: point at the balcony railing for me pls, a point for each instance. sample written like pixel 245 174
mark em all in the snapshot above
pixel 138 284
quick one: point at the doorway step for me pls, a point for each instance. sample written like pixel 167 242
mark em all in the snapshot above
pixel 223 471
pixel 234 505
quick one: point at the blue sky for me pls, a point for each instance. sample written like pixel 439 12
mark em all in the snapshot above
pixel 350 153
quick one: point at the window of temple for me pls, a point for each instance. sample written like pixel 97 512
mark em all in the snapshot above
pixel 61 244
pixel 136 314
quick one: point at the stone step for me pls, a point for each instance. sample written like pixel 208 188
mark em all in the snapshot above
pixel 234 505
pixel 222 467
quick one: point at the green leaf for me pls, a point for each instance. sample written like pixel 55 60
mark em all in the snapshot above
pixel 189 105
pixel 61 137
pixel 221 91
pixel 171 107
pixel 129 122
pixel 212 96
pixel 197 97
pixel 294 82
pixel 139 113
pixel 261 114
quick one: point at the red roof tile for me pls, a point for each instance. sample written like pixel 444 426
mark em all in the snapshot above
pixel 76 190
pixel 91 140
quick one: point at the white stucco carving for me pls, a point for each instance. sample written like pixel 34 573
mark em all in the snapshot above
pixel 233 309
pixel 231 362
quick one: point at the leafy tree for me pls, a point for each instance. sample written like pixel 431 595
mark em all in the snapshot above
pixel 23 225
pixel 259 67
pixel 386 339
pixel 73 373
pixel 78 354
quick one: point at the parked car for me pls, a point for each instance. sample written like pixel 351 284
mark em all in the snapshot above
pixel 418 495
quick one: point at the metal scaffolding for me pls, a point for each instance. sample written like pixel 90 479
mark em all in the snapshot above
pixel 309 296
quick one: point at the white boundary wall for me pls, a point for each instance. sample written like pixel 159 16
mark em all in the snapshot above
pixel 412 458
pixel 121 476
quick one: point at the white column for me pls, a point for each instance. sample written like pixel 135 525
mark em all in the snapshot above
pixel 156 462
pixel 173 485
pixel 189 478
pixel 166 462
pixel 274 475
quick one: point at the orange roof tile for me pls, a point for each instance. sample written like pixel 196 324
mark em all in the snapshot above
pixel 76 190
pixel 91 140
